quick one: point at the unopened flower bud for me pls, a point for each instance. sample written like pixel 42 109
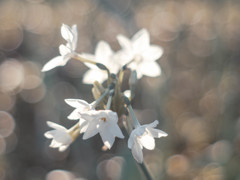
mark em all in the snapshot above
pixel 101 66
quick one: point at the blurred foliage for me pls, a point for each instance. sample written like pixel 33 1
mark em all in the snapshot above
pixel 196 99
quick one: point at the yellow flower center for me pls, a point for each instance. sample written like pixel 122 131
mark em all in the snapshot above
pixel 104 119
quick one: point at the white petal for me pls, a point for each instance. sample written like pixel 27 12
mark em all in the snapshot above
pixel 141 40
pixel 124 42
pixel 147 141
pixel 63 148
pixel 122 57
pixel 153 124
pixel 139 73
pixel 152 53
pixel 62 137
pixel 89 115
pixel 137 152
pixel 131 139
pixel 57 61
pixel 75 37
pixel 92 58
pixel 74 30
pixel 66 33
pixel 48 135
pixel 103 52
pixel 83 125
pixel 64 50
pixel 91 131
pixel 113 65
pixel 94 75
pixel 55 144
pixel 151 69
pixel 56 126
pixel 116 131
pixel 74 115
pixel 77 103
pixel 156 132
pixel 107 138
pixel 112 116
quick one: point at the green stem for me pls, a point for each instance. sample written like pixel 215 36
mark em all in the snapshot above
pixel 142 165
pixel 74 131
pixel 145 171
pixel 120 77
pixel 99 65
pixel 108 106
pixel 129 62
pixel 95 103
pixel 82 59
pixel 135 121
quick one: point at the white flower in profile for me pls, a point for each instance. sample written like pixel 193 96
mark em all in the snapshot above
pixel 66 51
pixel 104 55
pixel 103 122
pixel 61 139
pixel 80 106
pixel 141 53
pixel 143 136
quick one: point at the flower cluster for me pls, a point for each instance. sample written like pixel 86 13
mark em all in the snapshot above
pixel 102 116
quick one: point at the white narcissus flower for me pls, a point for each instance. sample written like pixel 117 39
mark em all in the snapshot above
pixel 103 122
pixel 141 52
pixel 143 136
pixel 104 55
pixel 60 136
pixel 66 51
pixel 81 107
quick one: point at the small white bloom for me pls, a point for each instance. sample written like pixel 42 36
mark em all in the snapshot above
pixel 66 51
pixel 80 106
pixel 103 122
pixel 60 136
pixel 143 136
pixel 104 55
pixel 141 52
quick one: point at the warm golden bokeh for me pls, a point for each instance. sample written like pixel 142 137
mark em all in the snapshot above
pixel 196 99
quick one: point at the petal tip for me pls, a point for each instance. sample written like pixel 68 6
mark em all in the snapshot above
pixel 48 135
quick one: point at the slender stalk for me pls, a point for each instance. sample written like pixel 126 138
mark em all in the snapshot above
pixel 129 106
pixel 145 171
pixel 142 165
pixel 135 121
pixel 95 103
pixel 120 77
pixel 108 106
pixel 74 131
pixel 132 83
pixel 82 59
pixel 130 62
pixel 99 65
pixel 109 77
pixel 76 126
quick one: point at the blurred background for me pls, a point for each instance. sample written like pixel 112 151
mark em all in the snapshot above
pixel 196 99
